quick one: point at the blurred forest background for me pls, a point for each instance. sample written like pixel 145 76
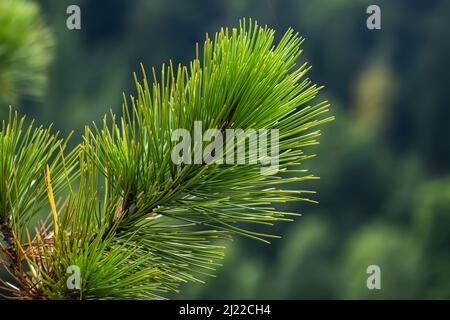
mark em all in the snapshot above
pixel 384 163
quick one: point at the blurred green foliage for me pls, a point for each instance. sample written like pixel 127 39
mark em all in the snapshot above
pixel 397 253
pixel 25 51
pixel 384 163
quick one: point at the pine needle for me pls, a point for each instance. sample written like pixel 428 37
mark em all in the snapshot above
pixel 51 200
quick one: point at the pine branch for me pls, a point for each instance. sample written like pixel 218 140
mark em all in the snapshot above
pixel 155 114
pixel 136 223
pixel 24 153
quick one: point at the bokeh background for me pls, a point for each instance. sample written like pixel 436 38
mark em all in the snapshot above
pixel 384 163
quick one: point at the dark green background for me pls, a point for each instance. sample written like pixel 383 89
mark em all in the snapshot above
pixel 384 163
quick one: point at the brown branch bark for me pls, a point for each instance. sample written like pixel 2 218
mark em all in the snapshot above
pixel 6 230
